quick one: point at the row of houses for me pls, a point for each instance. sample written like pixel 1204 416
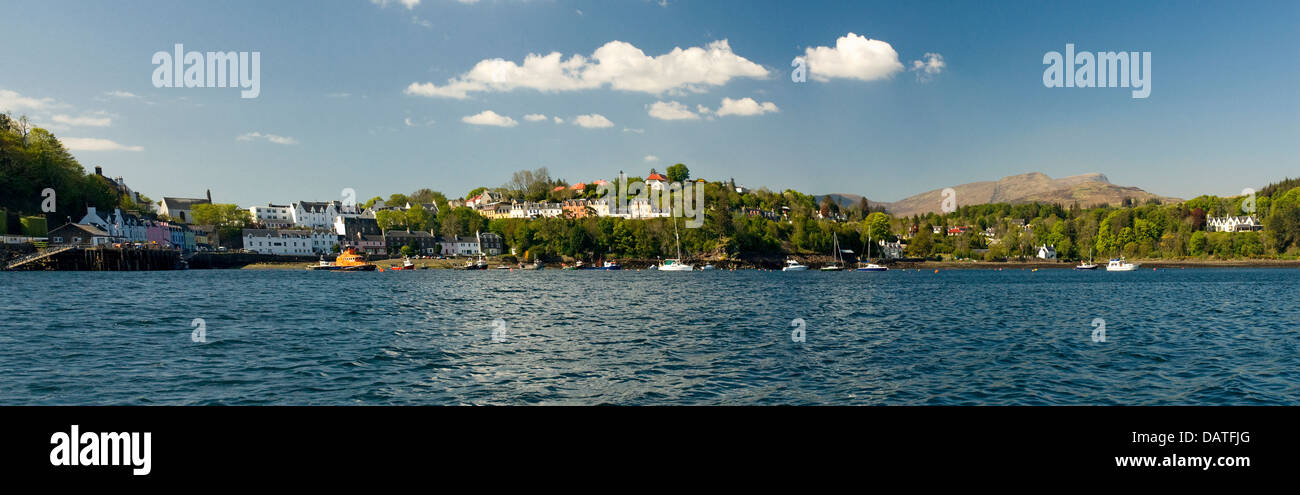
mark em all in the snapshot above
pixel 118 227
pixel 307 242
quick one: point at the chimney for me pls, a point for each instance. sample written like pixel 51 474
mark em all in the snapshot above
pixel 99 171
pixel 209 196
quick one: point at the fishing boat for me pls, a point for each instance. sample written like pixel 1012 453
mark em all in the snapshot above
pixel 1089 265
pixel 675 264
pixel 1120 265
pixel 480 264
pixel 835 265
pixel 793 265
pixel 577 265
pixel 407 264
pixel 609 265
pixel 347 261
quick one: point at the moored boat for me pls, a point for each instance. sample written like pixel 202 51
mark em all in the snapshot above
pixel 793 265
pixel 1120 265
pixel 347 261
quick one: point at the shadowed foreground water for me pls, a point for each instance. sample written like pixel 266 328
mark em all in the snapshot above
pixel 1204 336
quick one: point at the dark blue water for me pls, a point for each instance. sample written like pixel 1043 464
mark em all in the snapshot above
pixel 1206 336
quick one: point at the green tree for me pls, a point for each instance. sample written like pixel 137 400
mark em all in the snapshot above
pixel 678 173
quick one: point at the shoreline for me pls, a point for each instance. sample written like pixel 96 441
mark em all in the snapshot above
pixel 633 265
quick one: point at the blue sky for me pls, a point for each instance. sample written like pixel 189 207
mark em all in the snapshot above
pixel 337 76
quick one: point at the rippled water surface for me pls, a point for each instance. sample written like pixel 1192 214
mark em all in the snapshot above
pixel 1205 336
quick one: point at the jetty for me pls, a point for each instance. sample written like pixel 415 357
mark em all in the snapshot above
pixel 98 258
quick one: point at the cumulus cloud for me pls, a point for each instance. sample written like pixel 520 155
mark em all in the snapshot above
pixel 96 120
pixel 651 158
pixel 671 110
pixel 617 65
pixel 488 117
pixel 854 57
pixel 592 121
pixel 270 138
pixel 96 144
pixel 12 101
pixel 559 120
pixel 409 4
pixel 744 107
pixel 534 117
pixel 121 94
pixel 930 67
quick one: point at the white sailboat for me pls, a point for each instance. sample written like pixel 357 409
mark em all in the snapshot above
pixel 869 266
pixel 834 266
pixel 675 264
pixel 1089 265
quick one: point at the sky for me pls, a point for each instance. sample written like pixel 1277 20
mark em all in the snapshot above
pixel 898 97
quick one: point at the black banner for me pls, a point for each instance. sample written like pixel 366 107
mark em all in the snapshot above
pixel 320 444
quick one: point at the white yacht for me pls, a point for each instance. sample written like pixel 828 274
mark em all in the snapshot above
pixel 675 264
pixel 1119 265
pixel 793 265
pixel 836 264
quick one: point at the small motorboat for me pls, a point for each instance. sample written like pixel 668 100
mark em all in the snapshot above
pixel 609 265
pixel 1120 265
pixel 708 266
pixel 793 265
pixel 407 264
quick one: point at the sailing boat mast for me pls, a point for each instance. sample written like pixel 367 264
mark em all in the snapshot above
pixel 678 238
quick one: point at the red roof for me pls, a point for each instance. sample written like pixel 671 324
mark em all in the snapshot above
pixel 558 188
pixel 657 176
pixel 579 186
pixel 599 182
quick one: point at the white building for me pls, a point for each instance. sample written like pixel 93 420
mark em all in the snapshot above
pixel 272 215
pixel 313 215
pixel 551 210
pixel 891 250
pixel 1046 252
pixel 180 208
pixel 289 242
pixel 121 227
pixel 1233 224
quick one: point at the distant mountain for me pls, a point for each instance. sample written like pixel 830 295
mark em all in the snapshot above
pixel 1088 190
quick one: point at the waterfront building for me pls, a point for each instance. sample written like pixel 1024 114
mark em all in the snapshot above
pixel 313 214
pixel 272 216
pixel 289 242
pixel 77 234
pixel 1246 223
pixel 423 242
pixel 1046 252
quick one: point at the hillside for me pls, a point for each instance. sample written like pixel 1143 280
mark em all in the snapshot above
pixel 1087 190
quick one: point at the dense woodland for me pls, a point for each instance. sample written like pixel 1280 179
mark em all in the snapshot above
pixel 32 159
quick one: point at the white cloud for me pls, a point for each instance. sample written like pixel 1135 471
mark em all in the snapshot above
pixel 671 110
pixel 97 120
pixel 488 117
pixel 121 94
pixel 534 117
pixel 637 131
pixel 854 57
pixel 96 144
pixel 409 4
pixel 592 121
pixel 559 120
pixel 272 138
pixel 338 95
pixel 651 158
pixel 930 67
pixel 12 101
pixel 616 64
pixel 744 107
